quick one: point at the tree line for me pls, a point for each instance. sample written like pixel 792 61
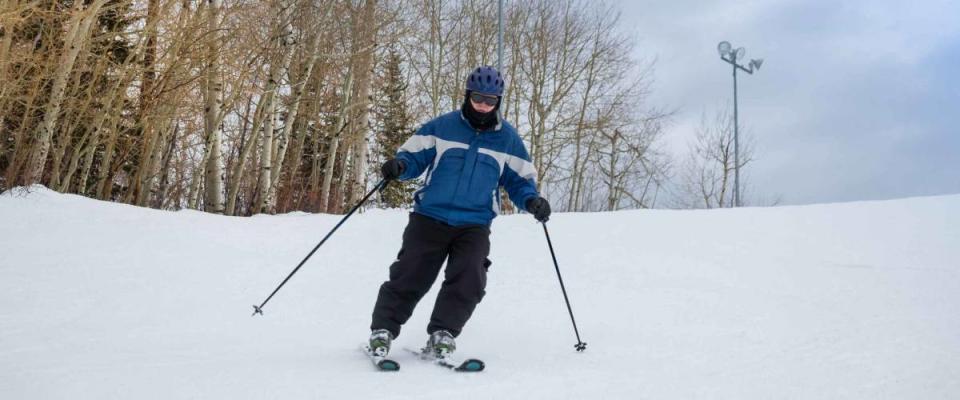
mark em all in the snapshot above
pixel 241 107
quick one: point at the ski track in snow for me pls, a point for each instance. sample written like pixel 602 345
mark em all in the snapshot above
pixel 840 301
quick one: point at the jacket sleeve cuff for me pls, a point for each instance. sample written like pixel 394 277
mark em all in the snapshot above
pixel 527 200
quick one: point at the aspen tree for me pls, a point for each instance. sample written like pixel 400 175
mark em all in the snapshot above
pixel 213 179
pixel 77 33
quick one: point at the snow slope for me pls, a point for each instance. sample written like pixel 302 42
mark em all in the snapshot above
pixel 852 300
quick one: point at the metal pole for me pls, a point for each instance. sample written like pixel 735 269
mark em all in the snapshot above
pixel 736 140
pixel 500 49
pixel 259 309
pixel 500 37
pixel 580 346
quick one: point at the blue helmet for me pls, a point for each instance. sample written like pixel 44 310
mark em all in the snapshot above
pixel 486 80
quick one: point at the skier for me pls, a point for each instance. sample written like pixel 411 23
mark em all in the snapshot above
pixel 467 155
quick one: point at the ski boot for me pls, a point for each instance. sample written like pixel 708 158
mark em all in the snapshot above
pixel 440 348
pixel 377 349
pixel 380 340
pixel 440 345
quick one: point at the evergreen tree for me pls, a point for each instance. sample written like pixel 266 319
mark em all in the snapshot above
pixel 395 127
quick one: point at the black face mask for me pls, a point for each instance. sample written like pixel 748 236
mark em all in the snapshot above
pixel 479 121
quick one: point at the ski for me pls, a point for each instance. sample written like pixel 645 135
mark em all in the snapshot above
pixel 380 362
pixel 468 365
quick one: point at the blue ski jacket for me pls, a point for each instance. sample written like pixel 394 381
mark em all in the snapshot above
pixel 465 169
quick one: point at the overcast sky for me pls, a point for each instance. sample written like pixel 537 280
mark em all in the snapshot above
pixel 856 100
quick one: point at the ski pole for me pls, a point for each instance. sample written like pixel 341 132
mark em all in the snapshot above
pixel 381 185
pixel 580 346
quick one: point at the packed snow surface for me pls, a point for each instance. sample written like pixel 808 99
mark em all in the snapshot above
pixel 837 301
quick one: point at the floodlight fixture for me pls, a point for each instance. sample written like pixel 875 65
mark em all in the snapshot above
pixel 755 64
pixel 741 52
pixel 724 48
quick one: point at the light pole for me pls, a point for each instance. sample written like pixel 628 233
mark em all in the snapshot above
pixel 500 36
pixel 728 54
pixel 500 47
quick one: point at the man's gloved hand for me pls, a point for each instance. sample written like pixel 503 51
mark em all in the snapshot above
pixel 392 169
pixel 540 208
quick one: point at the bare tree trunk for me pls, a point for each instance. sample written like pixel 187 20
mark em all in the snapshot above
pixel 578 167
pixel 612 171
pixel 86 145
pixel 141 60
pixel 5 44
pixel 88 160
pixel 234 151
pixel 213 187
pixel 75 40
pixel 152 167
pixel 196 180
pixel 292 116
pixel 266 153
pixel 104 181
pixel 236 178
pixel 365 28
pixel 343 182
pixel 334 144
pixel 143 181
pixel 59 143
pixel 63 182
pixel 165 166
pixel 277 68
pixel 315 182
pixel 709 168
pixel 433 50
pixel 21 154
pixel 358 180
pixel 99 131
pixel 7 41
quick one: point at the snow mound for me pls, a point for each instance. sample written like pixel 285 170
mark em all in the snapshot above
pixel 852 300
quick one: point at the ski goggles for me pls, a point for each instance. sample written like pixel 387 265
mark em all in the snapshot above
pixel 483 99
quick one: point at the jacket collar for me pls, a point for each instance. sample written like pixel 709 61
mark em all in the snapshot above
pixel 496 127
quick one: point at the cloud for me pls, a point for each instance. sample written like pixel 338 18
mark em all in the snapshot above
pixel 854 99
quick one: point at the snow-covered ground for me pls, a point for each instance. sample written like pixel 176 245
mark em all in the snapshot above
pixel 853 300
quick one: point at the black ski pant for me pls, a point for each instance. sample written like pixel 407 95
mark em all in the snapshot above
pixel 426 244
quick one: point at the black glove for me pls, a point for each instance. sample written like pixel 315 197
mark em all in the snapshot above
pixel 392 169
pixel 540 208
